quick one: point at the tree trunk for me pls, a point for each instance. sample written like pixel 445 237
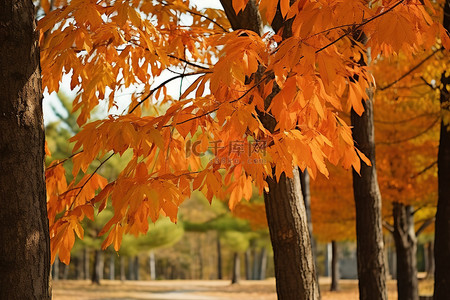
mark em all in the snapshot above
pixel 136 268
pixel 131 268
pixel 255 272
pixel 248 264
pixel 112 266
pixel 335 275
pixel 236 276
pixel 97 272
pixel 200 258
pixel 442 223
pixel 429 259
pixel 263 264
pixel 55 269
pixel 24 232
pixel 369 234
pixel 286 216
pixel 406 248
pixel 65 273
pixel 152 265
pixel 86 263
pixel 122 268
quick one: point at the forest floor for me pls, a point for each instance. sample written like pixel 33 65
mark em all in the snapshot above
pixel 201 290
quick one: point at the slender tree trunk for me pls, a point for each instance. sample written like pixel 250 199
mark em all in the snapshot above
pixel 122 268
pixel 152 265
pixel 55 269
pixel 24 246
pixel 248 264
pixel 286 216
pixel 335 275
pixel 255 272
pixel 66 269
pixel 263 264
pixel 429 259
pixel 112 266
pixel 136 268
pixel 200 258
pixel 369 234
pixel 406 248
pixel 131 268
pixel 442 223
pixel 86 263
pixel 97 272
pixel 236 276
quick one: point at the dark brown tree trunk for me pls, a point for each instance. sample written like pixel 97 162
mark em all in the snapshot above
pixel 24 246
pixel 369 234
pixel 285 209
pixel 200 257
pixel 429 259
pixel 406 248
pixel 236 276
pixel 442 223
pixel 335 275
pixel 286 216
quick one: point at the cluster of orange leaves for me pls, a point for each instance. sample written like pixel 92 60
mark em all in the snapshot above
pixel 107 46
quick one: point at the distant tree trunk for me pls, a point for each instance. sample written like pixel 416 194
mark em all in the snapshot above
pixel 97 272
pixel 288 226
pixel 236 276
pixel 25 245
pixel 55 269
pixel 263 264
pixel 86 263
pixel 136 268
pixel 65 273
pixel 335 275
pixel 406 248
pixel 122 268
pixel 442 223
pixel 152 265
pixel 369 234
pixel 255 272
pixel 429 259
pixel 200 258
pixel 131 268
pixel 248 264
pixel 112 266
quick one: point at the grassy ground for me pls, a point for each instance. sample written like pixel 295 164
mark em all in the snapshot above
pixel 201 290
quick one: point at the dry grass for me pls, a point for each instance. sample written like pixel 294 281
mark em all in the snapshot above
pixel 201 290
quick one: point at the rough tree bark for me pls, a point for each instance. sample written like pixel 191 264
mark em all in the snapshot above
pixel 285 209
pixel 24 247
pixel 406 248
pixel 335 275
pixel 369 234
pixel 442 223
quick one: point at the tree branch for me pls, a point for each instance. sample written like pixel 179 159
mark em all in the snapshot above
pixel 425 225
